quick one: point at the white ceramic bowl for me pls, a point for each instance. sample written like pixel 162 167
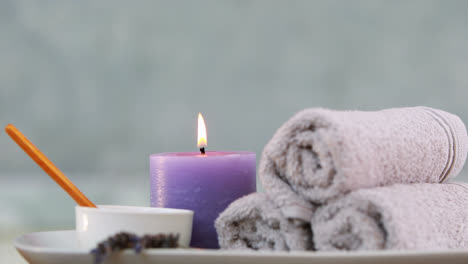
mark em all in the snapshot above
pixel 94 225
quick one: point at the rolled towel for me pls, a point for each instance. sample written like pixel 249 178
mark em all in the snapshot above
pixel 415 216
pixel 319 154
pixel 253 222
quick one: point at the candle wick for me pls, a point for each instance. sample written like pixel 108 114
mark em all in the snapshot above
pixel 202 150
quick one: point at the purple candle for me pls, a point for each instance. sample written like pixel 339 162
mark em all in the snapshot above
pixel 205 182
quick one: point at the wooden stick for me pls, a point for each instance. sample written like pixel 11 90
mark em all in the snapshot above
pixel 48 166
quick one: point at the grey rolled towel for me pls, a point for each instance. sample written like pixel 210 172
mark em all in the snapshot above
pixel 320 154
pixel 415 216
pixel 253 222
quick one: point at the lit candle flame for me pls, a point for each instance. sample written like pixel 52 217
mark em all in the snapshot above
pixel 201 132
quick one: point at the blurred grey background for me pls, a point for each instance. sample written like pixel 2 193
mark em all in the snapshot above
pixel 99 86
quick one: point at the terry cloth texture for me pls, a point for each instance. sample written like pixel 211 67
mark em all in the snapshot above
pixel 320 154
pixel 254 222
pixel 416 216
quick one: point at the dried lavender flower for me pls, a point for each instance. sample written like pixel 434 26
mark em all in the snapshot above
pixel 124 240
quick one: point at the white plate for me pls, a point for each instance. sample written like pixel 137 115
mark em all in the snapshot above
pixel 62 247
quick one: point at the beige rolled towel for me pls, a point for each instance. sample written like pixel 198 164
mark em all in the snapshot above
pixel 320 154
pixel 416 216
pixel 253 222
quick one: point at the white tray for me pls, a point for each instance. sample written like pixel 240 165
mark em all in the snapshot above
pixel 62 247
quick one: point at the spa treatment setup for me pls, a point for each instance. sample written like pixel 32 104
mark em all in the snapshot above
pixel 337 187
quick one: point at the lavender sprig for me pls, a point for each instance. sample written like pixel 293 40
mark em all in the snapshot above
pixel 124 240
